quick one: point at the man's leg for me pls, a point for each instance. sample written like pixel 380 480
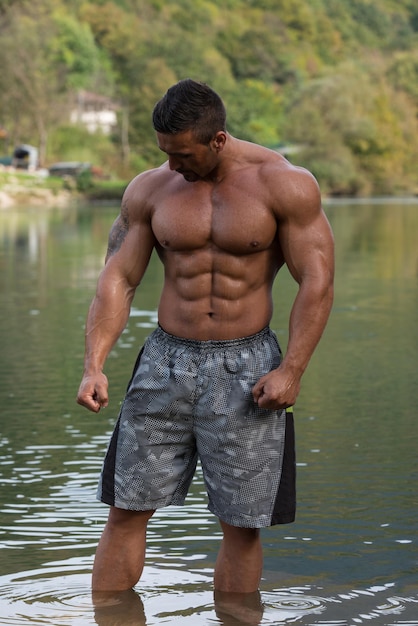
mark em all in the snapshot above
pixel 240 560
pixel 118 607
pixel 120 554
pixel 246 608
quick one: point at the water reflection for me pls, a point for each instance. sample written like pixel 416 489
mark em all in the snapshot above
pixel 350 558
pixel 124 608
pixel 238 608
pixel 127 608
pixel 56 596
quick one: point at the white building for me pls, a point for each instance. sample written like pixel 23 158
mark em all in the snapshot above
pixel 95 112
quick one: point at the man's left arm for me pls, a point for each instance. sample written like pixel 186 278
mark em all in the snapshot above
pixel 307 244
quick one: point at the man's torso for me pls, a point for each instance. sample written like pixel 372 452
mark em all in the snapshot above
pixel 219 246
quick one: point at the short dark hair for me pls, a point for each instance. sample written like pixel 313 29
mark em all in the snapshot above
pixel 190 105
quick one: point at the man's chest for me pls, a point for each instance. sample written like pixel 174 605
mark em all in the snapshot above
pixel 235 220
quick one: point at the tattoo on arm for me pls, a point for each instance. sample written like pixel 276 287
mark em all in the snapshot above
pixel 119 231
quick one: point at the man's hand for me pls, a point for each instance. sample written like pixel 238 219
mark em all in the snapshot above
pixel 276 390
pixel 93 392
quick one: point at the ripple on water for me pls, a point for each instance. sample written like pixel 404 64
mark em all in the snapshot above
pixel 59 595
pixel 289 607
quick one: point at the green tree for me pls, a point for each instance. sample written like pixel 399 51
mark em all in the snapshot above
pixel 255 112
pixel 344 73
pixel 44 54
pixel 353 143
pixel 402 73
pixel 72 51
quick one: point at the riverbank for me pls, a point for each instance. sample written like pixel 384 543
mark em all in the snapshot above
pixel 19 188
pixel 23 188
pixel 37 197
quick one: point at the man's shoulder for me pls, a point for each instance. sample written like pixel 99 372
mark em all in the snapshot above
pixel 290 187
pixel 274 164
pixel 150 179
pixel 271 163
pixel 285 188
pixel 141 192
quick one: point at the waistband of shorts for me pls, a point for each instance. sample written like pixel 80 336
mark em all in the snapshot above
pixel 160 334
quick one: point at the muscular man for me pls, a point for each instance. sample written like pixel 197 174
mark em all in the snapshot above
pixel 224 215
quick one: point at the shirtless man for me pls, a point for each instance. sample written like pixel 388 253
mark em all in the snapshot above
pixel 224 216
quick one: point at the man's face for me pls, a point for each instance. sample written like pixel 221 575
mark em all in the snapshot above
pixel 193 160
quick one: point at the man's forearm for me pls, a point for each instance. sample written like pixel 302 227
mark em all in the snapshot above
pixel 107 317
pixel 308 318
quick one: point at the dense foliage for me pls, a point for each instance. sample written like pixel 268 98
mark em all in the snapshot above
pixel 336 81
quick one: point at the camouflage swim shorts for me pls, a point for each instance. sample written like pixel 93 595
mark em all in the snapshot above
pixel 190 400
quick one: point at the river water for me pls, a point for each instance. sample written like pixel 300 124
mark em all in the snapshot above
pixel 350 558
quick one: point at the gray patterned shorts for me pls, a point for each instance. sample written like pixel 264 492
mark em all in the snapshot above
pixel 190 400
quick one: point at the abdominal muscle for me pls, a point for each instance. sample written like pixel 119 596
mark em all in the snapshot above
pixel 209 296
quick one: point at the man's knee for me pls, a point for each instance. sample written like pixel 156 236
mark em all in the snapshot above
pixel 125 521
pixel 238 534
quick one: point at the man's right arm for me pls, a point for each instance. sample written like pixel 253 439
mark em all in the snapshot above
pixel 131 242
pixel 307 244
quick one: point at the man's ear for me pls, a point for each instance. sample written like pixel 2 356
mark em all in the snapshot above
pixel 219 140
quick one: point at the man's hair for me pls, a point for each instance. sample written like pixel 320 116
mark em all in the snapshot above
pixel 190 105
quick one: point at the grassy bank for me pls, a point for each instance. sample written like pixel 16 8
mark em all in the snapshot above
pixel 105 190
pixel 19 187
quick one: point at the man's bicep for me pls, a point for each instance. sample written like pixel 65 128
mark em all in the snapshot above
pixel 308 246
pixel 119 231
pixel 131 260
pixel 131 239
pixel 130 245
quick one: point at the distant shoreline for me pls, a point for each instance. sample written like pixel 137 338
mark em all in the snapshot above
pixel 36 198
pixel 20 188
